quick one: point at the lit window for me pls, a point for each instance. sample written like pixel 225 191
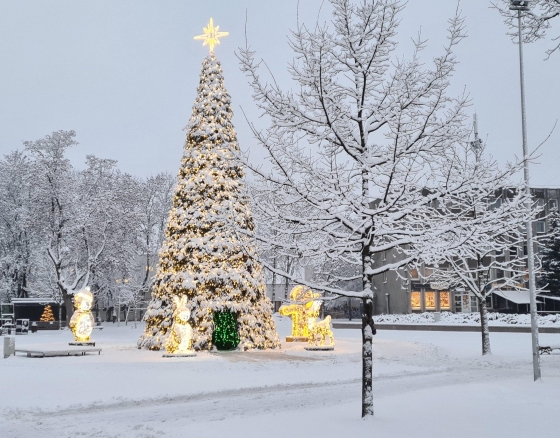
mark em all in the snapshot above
pixel 444 301
pixel 430 300
pixel 415 300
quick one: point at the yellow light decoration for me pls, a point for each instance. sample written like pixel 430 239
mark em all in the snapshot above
pixel 180 339
pixel 211 35
pixel 319 331
pixel 202 256
pixel 47 315
pixel 301 310
pixel 82 320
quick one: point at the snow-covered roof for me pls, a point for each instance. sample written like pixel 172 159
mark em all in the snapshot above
pixel 515 296
pixel 553 298
pixel 32 301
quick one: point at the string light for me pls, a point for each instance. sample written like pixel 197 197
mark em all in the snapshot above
pixel 202 257
pixel 300 310
pixel 82 320
pixel 225 336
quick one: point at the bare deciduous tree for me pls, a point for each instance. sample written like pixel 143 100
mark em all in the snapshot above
pixel 480 232
pixel 354 146
pixel 537 21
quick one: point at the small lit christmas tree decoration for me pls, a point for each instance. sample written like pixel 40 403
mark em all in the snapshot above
pixel 225 336
pixel 302 307
pixel 208 254
pixel 47 315
pixel 82 321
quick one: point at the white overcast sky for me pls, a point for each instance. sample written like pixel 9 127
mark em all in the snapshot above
pixel 123 73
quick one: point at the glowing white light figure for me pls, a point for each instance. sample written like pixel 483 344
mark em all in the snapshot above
pixel 82 321
pixel 180 340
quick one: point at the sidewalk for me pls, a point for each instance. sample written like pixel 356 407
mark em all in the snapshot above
pixel 345 324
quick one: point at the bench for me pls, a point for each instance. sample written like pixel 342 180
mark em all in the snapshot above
pixel 53 353
pixel 547 349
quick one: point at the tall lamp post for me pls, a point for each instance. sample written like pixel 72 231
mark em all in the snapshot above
pixel 522 6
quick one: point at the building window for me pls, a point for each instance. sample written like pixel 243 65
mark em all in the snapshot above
pixel 498 203
pixel 428 272
pixel 540 203
pixel 414 273
pixel 474 304
pixel 444 301
pixel 513 252
pixel 553 204
pixel 415 301
pixel 540 227
pixel 384 255
pixel 430 300
pixel 385 277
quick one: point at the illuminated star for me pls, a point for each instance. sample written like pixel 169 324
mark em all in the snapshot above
pixel 211 35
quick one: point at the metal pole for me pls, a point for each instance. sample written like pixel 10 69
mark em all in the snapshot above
pixel 529 225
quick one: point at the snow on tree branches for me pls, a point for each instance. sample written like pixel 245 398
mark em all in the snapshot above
pixel 354 145
pixel 479 231
pixel 537 21
pixel 204 256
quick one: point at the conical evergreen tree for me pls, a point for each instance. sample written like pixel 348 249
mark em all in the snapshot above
pixel 204 256
pixel 550 277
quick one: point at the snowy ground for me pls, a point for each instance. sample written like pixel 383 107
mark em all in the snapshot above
pixel 427 384
pixel 494 319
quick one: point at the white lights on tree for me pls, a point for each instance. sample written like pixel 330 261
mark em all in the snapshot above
pixel 209 259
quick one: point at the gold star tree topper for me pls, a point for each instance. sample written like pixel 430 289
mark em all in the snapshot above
pixel 211 35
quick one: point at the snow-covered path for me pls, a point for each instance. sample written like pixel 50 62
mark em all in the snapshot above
pixel 426 384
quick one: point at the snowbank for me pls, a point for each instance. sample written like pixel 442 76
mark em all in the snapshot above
pixel 495 318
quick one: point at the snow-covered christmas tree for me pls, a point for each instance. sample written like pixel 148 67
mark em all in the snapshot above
pixel 208 253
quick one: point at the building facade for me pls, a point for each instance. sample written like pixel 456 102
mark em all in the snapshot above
pixel 406 292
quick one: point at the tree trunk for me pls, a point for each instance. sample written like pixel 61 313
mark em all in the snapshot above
pixel 367 356
pixel 484 327
pixel 69 304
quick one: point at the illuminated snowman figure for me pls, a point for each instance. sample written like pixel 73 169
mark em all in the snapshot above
pixel 82 320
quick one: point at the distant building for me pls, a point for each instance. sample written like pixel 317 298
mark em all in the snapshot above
pixel 408 293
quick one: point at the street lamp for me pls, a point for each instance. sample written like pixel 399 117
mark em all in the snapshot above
pixel 523 6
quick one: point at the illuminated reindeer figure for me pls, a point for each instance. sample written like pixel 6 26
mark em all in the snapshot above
pixel 319 331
